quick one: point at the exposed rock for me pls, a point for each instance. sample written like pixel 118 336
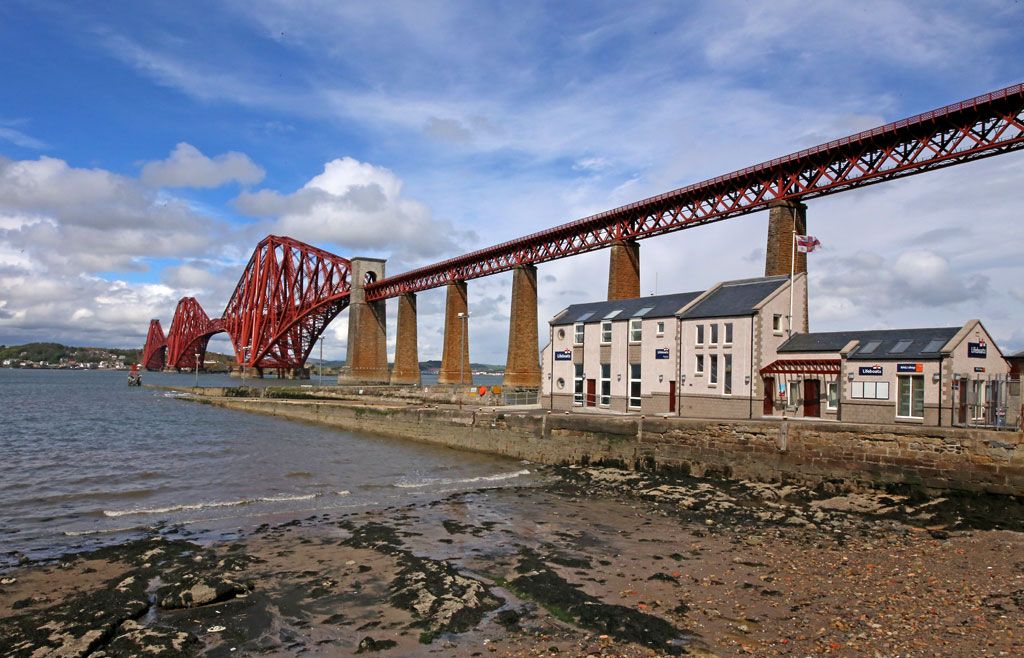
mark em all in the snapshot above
pixel 152 641
pixel 193 590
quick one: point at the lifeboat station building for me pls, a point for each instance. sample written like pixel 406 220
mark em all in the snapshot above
pixel 741 350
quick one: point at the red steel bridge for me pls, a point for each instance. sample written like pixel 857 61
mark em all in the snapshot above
pixel 290 291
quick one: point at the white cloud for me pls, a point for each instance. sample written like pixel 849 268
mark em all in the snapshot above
pixel 187 167
pixel 357 206
pixel 9 133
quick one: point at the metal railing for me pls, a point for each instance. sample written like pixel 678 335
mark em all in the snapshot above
pixel 520 396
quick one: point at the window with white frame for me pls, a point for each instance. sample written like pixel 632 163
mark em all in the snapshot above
pixel 634 385
pixel 700 334
pixel 727 374
pixel 577 398
pixel 606 384
pixel 777 323
pixel 713 378
pixel 699 367
pixel 578 333
pixel 635 330
pixel 661 328
pixel 832 388
pixel 606 332
pixel 792 396
pixel 714 334
pixel 864 390
pixel 728 333
pixel 910 396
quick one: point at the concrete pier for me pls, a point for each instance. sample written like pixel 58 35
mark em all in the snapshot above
pixel 455 354
pixel 522 366
pixel 624 270
pixel 366 359
pixel 407 364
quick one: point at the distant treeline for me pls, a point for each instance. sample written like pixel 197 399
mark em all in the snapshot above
pixel 55 353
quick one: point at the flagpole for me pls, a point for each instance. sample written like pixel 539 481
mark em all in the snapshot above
pixel 792 267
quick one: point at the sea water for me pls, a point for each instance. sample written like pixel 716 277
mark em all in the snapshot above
pixel 86 460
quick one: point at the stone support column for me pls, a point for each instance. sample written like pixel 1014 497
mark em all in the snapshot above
pixel 784 217
pixel 366 358
pixel 624 270
pixel 522 367
pixel 407 361
pixel 455 355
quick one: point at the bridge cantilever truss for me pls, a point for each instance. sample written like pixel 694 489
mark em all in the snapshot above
pixel 970 130
pixel 288 294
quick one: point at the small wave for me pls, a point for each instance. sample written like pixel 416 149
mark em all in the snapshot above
pixel 299 474
pixel 199 506
pixel 448 481
pixel 343 492
pixel 104 531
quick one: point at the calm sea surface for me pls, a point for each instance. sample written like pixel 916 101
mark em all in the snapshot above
pixel 85 460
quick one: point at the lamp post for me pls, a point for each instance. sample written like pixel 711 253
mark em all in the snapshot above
pixel 321 360
pixel 462 355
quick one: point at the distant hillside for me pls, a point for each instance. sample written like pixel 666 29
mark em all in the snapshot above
pixel 475 367
pixel 54 353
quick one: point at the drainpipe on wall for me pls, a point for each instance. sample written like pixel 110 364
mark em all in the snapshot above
pixel 941 389
pixel 750 388
pixel 551 368
pixel 679 366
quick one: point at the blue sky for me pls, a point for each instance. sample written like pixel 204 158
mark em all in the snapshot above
pixel 146 147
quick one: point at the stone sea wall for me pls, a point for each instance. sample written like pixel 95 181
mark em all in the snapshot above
pixel 809 452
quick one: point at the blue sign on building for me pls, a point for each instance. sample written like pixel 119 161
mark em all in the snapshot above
pixel 977 350
pixel 661 353
pixel 870 370
pixel 909 367
pixel 563 355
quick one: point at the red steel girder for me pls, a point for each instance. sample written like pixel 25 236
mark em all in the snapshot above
pixel 289 293
pixel 190 333
pixel 154 354
pixel 977 128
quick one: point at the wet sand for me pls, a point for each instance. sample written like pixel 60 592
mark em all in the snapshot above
pixel 601 562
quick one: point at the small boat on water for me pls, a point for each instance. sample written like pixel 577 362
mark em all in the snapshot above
pixel 135 377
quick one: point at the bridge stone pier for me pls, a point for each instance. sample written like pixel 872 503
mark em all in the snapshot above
pixel 366 360
pixel 624 270
pixel 455 353
pixel 785 217
pixel 407 361
pixel 522 366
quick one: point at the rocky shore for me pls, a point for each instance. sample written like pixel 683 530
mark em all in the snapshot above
pixel 599 562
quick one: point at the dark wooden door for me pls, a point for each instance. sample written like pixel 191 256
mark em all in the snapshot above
pixel 769 396
pixel 591 392
pixel 812 400
pixel 672 397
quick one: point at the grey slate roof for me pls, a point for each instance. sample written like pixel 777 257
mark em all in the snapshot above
pixel 734 298
pixel 662 306
pixel 887 339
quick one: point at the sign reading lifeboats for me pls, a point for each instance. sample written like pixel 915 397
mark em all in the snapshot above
pixel 563 355
pixel 661 353
pixel 977 350
pixel 909 367
pixel 870 370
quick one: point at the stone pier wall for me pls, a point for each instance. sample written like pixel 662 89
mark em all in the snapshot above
pixel 858 455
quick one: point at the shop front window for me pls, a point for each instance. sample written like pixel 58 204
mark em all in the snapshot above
pixel 910 396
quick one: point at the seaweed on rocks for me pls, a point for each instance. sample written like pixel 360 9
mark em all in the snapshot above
pixel 536 581
pixel 442 599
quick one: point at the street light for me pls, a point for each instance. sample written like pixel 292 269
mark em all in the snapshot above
pixel 321 360
pixel 462 355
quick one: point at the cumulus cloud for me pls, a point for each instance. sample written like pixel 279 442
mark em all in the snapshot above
pixel 63 229
pixel 866 284
pixel 358 206
pixel 188 167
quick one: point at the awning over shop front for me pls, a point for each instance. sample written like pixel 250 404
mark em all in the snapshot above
pixel 802 367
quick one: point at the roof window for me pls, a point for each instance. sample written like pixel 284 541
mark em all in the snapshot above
pixel 870 347
pixel 644 311
pixel 613 314
pixel 901 346
pixel 934 345
pixel 584 317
